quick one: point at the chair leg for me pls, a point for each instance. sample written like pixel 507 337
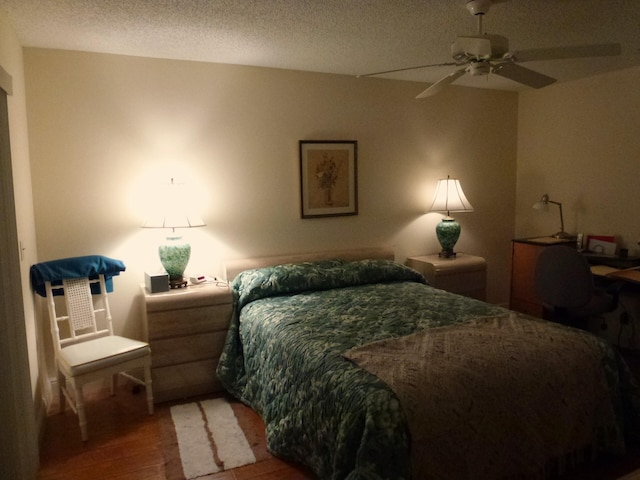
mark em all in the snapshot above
pixel 148 388
pixel 82 417
pixel 61 385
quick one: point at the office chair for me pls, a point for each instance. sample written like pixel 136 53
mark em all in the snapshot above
pixel 83 352
pixel 564 283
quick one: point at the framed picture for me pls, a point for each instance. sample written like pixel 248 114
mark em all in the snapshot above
pixel 328 178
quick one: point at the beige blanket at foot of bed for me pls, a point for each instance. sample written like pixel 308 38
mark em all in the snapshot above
pixel 494 397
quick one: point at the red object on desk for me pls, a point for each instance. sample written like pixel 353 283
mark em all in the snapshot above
pixel 601 244
pixel 604 238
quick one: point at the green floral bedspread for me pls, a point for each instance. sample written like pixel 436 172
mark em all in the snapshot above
pixel 283 357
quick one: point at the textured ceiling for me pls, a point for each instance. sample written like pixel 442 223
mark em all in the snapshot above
pixel 333 36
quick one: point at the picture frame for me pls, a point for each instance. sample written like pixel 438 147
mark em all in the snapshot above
pixel 328 178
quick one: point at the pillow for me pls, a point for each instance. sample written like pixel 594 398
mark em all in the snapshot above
pixel 289 279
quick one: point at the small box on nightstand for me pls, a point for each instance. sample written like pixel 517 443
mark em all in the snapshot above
pixel 156 282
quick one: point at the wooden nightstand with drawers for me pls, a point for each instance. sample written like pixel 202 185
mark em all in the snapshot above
pixel 186 329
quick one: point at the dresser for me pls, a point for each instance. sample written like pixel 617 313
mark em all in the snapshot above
pixel 464 274
pixel 186 329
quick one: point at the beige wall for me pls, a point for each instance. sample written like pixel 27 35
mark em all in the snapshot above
pixel 102 127
pixel 579 142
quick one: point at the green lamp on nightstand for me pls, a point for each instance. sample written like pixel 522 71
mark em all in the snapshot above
pixel 175 253
pixel 448 198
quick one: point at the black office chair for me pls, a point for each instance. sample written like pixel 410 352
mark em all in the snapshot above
pixel 564 283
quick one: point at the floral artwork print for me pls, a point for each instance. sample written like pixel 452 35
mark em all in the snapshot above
pixel 328 187
pixel 328 178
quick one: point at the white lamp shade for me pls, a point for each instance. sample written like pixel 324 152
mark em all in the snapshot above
pixel 543 204
pixel 173 209
pixel 449 197
pixel 174 221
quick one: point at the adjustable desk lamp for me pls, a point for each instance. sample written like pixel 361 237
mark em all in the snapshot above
pixel 543 204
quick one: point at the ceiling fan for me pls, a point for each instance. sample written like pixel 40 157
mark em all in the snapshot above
pixel 485 54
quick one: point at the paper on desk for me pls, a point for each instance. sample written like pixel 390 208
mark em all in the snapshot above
pixel 629 274
pixel 603 270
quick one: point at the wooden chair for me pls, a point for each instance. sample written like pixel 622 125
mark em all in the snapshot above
pixel 84 353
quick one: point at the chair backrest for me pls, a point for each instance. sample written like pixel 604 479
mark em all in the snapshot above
pixel 81 310
pixel 563 277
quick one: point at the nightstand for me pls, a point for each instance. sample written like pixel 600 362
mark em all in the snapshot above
pixel 464 274
pixel 186 329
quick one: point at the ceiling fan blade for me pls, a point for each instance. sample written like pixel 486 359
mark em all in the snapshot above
pixel 442 83
pixel 447 64
pixel 559 53
pixel 523 75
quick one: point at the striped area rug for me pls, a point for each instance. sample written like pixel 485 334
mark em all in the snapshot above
pixel 209 436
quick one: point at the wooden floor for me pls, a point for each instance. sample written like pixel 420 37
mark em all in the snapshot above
pixel 125 444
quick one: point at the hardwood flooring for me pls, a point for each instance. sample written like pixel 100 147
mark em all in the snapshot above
pixel 125 444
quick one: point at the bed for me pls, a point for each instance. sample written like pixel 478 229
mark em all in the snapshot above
pixel 361 370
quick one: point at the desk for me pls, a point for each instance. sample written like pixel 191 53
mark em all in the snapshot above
pixel 524 257
pixel 625 274
pixel 614 261
pixel 622 323
pixel 523 265
pixel 629 274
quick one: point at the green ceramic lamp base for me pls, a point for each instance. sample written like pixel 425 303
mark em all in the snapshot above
pixel 174 256
pixel 448 232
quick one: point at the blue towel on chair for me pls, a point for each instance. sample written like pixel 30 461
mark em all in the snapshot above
pixel 75 267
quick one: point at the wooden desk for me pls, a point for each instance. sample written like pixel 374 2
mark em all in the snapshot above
pixel 524 257
pixel 615 261
pixel 603 270
pixel 625 274
pixel 523 262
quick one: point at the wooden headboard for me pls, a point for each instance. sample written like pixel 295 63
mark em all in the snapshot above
pixel 234 267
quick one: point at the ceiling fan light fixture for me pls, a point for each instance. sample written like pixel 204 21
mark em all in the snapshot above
pixel 479 68
pixel 478 7
pixel 474 47
pixel 479 47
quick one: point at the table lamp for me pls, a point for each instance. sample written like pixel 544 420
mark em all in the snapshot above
pixel 543 204
pixel 175 253
pixel 448 198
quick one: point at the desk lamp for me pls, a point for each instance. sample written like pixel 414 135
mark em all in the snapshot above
pixel 449 197
pixel 543 204
pixel 175 253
